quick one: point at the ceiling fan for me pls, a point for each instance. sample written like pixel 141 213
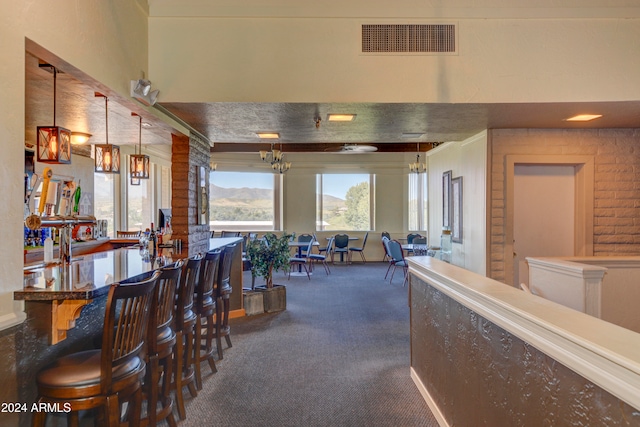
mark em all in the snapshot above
pixel 352 149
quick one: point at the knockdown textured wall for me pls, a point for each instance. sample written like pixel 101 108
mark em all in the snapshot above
pixel 509 382
pixel 616 153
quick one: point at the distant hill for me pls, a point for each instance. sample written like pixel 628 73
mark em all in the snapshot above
pixel 244 193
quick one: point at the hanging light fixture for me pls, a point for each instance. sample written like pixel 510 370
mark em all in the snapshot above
pixel 135 181
pixel 107 155
pixel 276 159
pixel 417 167
pixel 139 163
pixel 54 142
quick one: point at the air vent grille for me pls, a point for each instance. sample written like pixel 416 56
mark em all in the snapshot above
pixel 410 38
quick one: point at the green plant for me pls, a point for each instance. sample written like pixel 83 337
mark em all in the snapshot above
pixel 267 255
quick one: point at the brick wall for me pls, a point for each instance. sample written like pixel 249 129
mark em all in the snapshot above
pixel 187 156
pixel 616 188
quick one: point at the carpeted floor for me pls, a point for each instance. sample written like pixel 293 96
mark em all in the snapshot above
pixel 339 355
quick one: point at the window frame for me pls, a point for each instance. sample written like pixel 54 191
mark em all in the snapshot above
pixel 320 200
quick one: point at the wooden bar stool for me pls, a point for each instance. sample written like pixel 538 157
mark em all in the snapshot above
pixel 106 377
pixel 185 323
pixel 161 342
pixel 222 290
pixel 205 308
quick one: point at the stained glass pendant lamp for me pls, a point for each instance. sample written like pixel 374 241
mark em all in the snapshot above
pixel 107 156
pixel 138 163
pixel 54 142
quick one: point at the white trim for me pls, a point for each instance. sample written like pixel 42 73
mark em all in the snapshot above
pixel 605 354
pixel 442 422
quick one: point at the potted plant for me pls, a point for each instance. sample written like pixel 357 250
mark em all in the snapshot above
pixel 268 255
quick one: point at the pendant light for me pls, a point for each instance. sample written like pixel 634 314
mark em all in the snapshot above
pixel 138 163
pixel 107 155
pixel 54 142
pixel 417 167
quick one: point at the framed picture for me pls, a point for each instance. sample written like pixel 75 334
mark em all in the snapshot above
pixel 446 199
pixel 203 195
pixel 456 198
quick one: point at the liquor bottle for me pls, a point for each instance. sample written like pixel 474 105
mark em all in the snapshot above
pixel 153 242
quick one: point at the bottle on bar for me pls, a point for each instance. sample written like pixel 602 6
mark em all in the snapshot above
pixel 153 243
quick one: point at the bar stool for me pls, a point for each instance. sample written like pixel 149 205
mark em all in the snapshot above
pixel 106 377
pixel 222 290
pixel 185 323
pixel 205 308
pixel 161 342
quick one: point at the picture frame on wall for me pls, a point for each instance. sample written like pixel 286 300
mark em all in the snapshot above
pixel 456 199
pixel 446 200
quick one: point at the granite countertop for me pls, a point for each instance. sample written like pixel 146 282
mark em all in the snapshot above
pixel 86 277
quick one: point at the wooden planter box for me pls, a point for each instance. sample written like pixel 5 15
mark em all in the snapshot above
pixel 274 299
pixel 253 302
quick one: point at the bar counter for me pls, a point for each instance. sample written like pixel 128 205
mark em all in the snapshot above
pixel 65 313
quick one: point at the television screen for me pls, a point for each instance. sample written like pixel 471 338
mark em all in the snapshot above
pixel 164 216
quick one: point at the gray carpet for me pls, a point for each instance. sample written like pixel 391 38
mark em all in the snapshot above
pixel 339 355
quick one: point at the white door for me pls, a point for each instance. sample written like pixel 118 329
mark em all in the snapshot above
pixel 544 214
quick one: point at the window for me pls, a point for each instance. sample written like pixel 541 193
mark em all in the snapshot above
pixel 344 202
pixel 139 212
pixel 240 201
pixel 103 200
pixel 417 206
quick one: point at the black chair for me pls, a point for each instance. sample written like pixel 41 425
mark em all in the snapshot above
pixel 302 239
pixel 412 236
pixel 185 323
pixel 230 234
pixel 359 249
pixel 222 291
pixel 341 246
pixel 106 377
pixel 161 341
pixel 205 308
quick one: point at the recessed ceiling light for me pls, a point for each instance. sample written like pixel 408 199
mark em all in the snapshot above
pixel 268 135
pixel 341 117
pixel 583 117
pixel 412 134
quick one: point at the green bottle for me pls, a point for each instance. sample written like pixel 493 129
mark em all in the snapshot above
pixel 76 198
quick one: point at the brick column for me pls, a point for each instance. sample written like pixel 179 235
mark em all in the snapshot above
pixel 187 156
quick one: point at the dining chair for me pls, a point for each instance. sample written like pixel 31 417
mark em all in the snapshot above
pixel 185 322
pixel 341 246
pixel 359 249
pixel 302 238
pixel 302 260
pixel 106 377
pixel 161 341
pixel 412 236
pixel 397 255
pixel 322 258
pixel 230 234
pixel 125 234
pixel 387 254
pixel 385 234
pixel 205 308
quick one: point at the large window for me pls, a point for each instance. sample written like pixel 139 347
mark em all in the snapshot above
pixel 344 202
pixel 240 201
pixel 139 206
pixel 417 202
pixel 103 200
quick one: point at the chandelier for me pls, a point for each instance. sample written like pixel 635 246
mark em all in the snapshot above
pixel 417 167
pixel 275 159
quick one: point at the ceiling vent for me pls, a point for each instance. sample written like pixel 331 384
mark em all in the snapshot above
pixel 409 38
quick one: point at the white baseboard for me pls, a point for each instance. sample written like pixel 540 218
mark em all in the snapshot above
pixel 427 398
